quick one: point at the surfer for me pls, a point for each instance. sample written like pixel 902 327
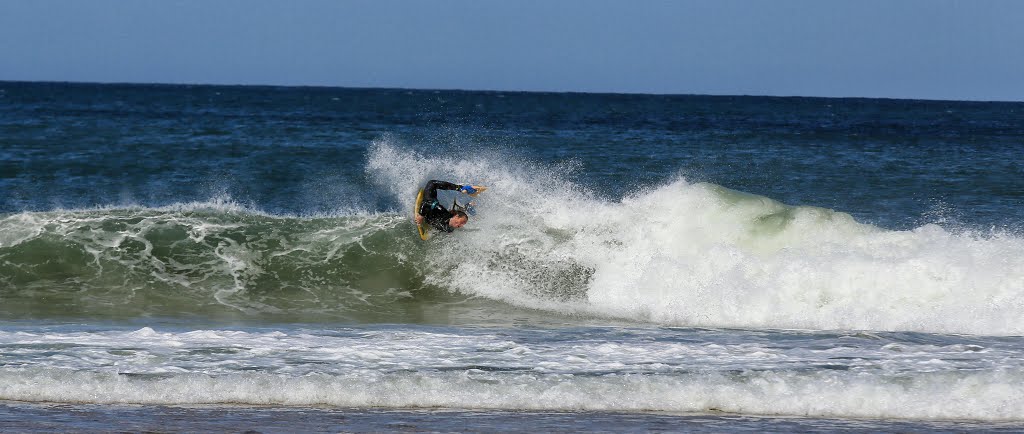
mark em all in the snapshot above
pixel 433 213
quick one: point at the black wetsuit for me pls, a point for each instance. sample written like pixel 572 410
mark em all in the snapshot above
pixel 432 211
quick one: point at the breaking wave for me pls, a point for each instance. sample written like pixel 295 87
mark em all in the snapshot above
pixel 681 253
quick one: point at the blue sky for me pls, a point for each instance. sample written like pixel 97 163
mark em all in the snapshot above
pixel 935 49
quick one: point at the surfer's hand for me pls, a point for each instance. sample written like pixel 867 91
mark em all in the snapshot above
pixel 418 218
pixel 479 189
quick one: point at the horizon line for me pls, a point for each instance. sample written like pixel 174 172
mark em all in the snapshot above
pixel 454 89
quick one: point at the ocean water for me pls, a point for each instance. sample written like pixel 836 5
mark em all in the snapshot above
pixel 231 258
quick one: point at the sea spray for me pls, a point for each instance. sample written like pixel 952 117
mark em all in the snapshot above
pixel 698 254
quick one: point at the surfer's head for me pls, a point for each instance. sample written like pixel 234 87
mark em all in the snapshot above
pixel 458 219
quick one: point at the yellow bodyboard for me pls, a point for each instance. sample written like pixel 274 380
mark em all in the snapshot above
pixel 424 234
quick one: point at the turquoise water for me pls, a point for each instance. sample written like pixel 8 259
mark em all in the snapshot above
pixel 736 263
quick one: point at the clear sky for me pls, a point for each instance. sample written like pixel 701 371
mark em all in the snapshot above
pixel 935 49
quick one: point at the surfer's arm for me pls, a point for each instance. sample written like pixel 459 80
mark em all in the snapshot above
pixel 430 191
pixel 441 185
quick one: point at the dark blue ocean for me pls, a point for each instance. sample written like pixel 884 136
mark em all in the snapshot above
pixel 201 258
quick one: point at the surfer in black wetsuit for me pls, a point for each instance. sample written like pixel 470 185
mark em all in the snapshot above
pixel 433 213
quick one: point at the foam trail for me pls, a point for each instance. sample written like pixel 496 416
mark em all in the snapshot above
pixel 978 396
pixel 703 255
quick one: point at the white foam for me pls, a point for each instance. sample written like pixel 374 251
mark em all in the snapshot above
pixel 701 255
pixel 18 228
pixel 981 396
pixel 465 368
pixel 369 351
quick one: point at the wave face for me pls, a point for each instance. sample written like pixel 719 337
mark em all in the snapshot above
pixel 678 254
pixel 211 259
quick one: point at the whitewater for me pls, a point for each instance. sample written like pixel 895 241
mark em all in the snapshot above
pixel 879 376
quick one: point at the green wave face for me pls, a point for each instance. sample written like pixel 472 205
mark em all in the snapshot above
pixel 213 264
